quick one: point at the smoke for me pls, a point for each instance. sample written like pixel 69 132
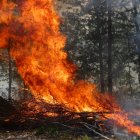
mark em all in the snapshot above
pixel 38 49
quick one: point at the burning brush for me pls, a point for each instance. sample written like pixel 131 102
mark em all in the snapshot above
pixel 30 28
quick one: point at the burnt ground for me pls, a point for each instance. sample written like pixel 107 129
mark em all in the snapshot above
pixel 51 134
pixel 15 126
pixel 39 134
pixel 55 131
pixel 34 130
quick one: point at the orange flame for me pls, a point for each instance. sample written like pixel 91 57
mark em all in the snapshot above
pixel 36 44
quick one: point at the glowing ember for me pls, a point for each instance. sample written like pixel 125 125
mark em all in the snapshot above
pixel 36 43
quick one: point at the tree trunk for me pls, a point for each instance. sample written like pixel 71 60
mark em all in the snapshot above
pixel 102 85
pixel 130 80
pixel 10 73
pixel 137 40
pixel 129 65
pixel 109 47
pixel 99 41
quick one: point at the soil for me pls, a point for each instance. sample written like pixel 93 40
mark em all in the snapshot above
pixel 32 135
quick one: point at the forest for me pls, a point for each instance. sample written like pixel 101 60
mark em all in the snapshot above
pixel 70 69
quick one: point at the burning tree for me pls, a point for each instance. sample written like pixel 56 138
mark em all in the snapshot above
pixel 37 46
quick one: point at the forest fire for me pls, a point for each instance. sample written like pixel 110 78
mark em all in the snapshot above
pixel 31 29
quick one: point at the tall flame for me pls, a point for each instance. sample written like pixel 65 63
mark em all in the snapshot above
pixel 31 29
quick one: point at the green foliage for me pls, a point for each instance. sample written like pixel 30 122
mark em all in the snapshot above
pixel 136 138
pixel 53 130
pixel 85 23
pixel 41 130
pixel 85 137
pixel 87 29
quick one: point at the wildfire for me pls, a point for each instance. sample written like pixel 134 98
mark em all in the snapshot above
pixel 31 29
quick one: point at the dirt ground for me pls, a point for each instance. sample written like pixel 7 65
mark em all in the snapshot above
pixel 52 135
pixel 40 135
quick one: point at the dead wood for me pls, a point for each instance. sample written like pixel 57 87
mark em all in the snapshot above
pixel 88 126
pixel 27 117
